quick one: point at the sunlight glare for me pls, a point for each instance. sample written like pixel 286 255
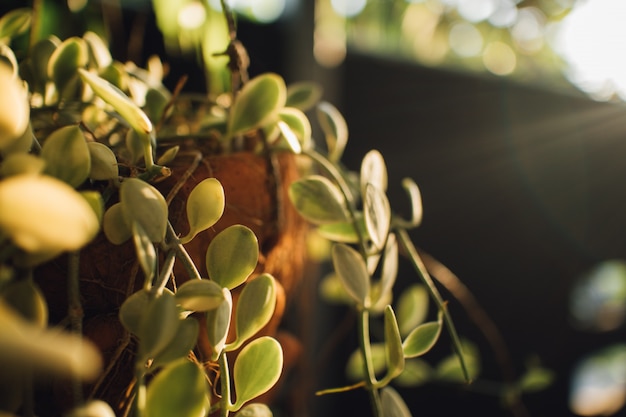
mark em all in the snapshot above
pixel 592 38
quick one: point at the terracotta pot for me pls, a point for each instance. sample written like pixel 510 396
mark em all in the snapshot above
pixel 255 189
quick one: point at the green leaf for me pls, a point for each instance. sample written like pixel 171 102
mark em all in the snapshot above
pixel 257 103
pixel 351 269
pixel 318 200
pixel 39 58
pixel 14 108
pixel 132 310
pixel 157 100
pixel 536 379
pixel 168 156
pixel 94 199
pixel 232 256
pixel 205 206
pixel 146 253
pixel 218 324
pixel 450 369
pixel 412 308
pixel 254 309
pixel 180 389
pixel 303 95
pixel 103 162
pixel 21 163
pixel 342 232
pixel 355 366
pixel 254 410
pixel 144 204
pixel 43 214
pixel 332 290
pixel 416 372
pixel 115 226
pixel 415 196
pixel 293 144
pixel 15 22
pixel 335 130
pixel 65 62
pixel 199 295
pixel 99 53
pixel 67 156
pixel 422 339
pixel 126 108
pixel 298 123
pixel 257 369
pixel 25 296
pixel 158 325
pixel 392 403
pixel 377 213
pixel 394 355
pixel 389 272
pixel 181 344
pixel 373 171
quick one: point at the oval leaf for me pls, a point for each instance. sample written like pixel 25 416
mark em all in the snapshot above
pixel 232 256
pixel 144 204
pixel 67 156
pixel 180 389
pixel 421 339
pixel 377 213
pixel 355 366
pixel 255 410
pixel 257 369
pixel 132 310
pixel 318 200
pixel 14 108
pixel 335 130
pixel 417 211
pixel 298 123
pixel 103 162
pixel 64 63
pixel 389 273
pixel 394 355
pixel 254 309
pixel 373 171
pixel 412 308
pixel 21 163
pixel 114 225
pixel 303 95
pixel 183 341
pixel 112 95
pixel 352 271
pixel 43 214
pixel 199 295
pixel 218 324
pixel 15 22
pixel 205 206
pixel 258 102
pixel 392 403
pixel 158 325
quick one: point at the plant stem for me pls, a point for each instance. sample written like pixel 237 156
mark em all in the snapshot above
pixel 224 384
pixel 182 253
pixel 166 271
pixel 366 351
pixel 407 245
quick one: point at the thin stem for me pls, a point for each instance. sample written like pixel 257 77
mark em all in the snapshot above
pixel 422 272
pixel 182 253
pixel 224 384
pixel 370 377
pixel 166 271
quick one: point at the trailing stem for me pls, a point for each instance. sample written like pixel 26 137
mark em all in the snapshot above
pixel 366 351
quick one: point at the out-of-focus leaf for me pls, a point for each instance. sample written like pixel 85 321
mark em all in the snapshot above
pixel 257 369
pixel 232 256
pixel 392 403
pixel 26 298
pixel 14 108
pixel 99 53
pixel 355 366
pixel 377 214
pixel 257 103
pixel 144 204
pixel 146 253
pixel 158 325
pixel 254 410
pixel 254 309
pixel 133 309
pixel 65 62
pixel 303 95
pixel 21 163
pixel 15 22
pixel 318 200
pixel 103 162
pixel 335 129
pixel 373 171
pixel 449 368
pixel 205 206
pixel 168 156
pixel 67 155
pixel 199 295
pixel 94 408
pixel 299 125
pixel 416 372
pixel 181 344
pixel 388 275
pixel 412 308
pixel 180 389
pixel 43 214
pixel 351 269
pixel 115 226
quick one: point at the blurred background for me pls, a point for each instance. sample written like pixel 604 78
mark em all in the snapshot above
pixel 508 114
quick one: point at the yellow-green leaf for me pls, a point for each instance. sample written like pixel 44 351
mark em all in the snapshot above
pixel 422 339
pixel 115 226
pixel 232 256
pixel 199 295
pixel 158 325
pixel 143 203
pixel 335 129
pixel 103 162
pixel 303 95
pixel 318 200
pixel 351 269
pixel 15 22
pixel 205 206
pixel 218 324
pixel 64 63
pixel 14 108
pixel 67 156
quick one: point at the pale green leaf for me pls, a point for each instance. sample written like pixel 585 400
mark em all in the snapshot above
pixel 94 199
pixel 103 162
pixel 67 156
pixel 123 105
pixel 114 224
pixel 181 344
pixel 394 355
pixel 415 197
pixel 450 369
pixel 331 289
pixel 335 129
pixel 143 203
pixel 416 372
pixel 232 256
pixel 43 214
pixel 254 309
pixel 168 156
pixel 351 269
pixel 355 366
pixel 255 410
pixel 318 200
pixel 21 163
pixel 205 206
pixel 199 295
pixel 180 390
pixel 14 108
pixel 15 22
pixel 373 171
pixel 65 62
pixel 412 308
pixel 132 310
pixel 99 53
pixel 146 253
pixel 392 403
pixel 158 325
pixel 257 369
pixel 421 339
pixel 377 214
pixel 389 272
pixel 303 95
pixel 298 123
pixel 257 103
pixel 342 232
pixel 536 379
pixel 218 324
